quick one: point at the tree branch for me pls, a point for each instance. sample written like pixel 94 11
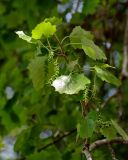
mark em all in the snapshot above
pixel 112 152
pixel 78 3
pixel 99 143
pixel 87 154
pixel 125 49
pixel 89 148
pixel 86 151
pixel 57 140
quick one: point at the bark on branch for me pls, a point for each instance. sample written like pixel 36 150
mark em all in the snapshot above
pixel 87 154
pixel 88 149
pixel 99 143
pixel 125 50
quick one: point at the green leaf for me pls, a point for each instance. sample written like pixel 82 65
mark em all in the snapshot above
pixel 81 129
pixel 87 126
pixel 109 132
pixel 92 115
pixel 37 71
pixel 92 50
pixel 6 120
pixel 23 36
pixel 77 35
pixel 105 75
pixel 43 29
pixel 83 40
pixel 70 84
pixel 120 130
pixel 42 71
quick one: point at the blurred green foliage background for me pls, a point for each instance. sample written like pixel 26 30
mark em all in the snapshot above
pixel 22 106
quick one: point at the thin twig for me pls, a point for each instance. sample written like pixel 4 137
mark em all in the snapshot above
pixel 57 140
pixel 62 55
pixel 49 44
pixel 40 43
pixel 64 39
pixel 59 43
pixel 61 47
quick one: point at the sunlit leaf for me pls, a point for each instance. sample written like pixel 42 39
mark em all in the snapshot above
pixel 70 84
pixel 23 36
pixel 83 40
pixel 92 50
pixel 105 75
pixel 45 29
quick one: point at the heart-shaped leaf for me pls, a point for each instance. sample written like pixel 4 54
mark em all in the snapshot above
pixel 70 84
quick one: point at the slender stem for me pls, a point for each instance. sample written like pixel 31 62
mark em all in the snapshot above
pixel 49 44
pixel 68 44
pixel 40 43
pixel 61 47
pixel 64 39
pixel 62 55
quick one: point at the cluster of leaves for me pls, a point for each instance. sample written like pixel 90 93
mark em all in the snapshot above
pixel 75 81
pixel 68 71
